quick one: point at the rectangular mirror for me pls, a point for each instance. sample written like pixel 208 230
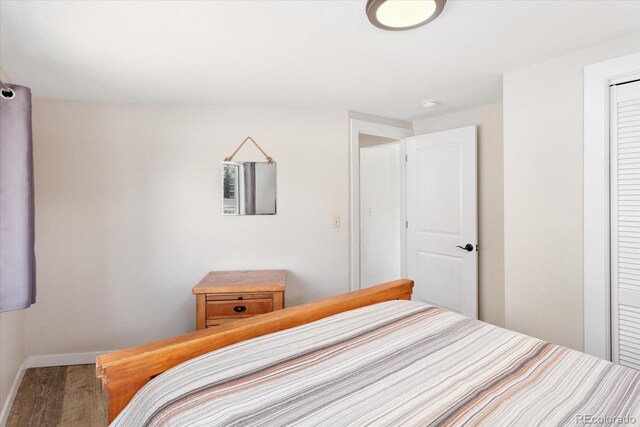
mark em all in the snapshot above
pixel 248 188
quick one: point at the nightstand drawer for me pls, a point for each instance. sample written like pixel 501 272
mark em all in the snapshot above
pixel 238 296
pixel 245 307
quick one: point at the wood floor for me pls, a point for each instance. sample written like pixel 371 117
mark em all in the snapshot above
pixel 59 396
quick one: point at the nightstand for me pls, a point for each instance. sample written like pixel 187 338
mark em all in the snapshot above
pixel 225 296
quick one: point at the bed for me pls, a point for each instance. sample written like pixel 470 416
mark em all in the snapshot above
pixel 371 357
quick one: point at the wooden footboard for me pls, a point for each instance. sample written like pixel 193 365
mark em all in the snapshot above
pixel 124 372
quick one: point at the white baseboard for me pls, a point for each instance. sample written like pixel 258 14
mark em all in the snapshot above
pixel 63 359
pixel 6 406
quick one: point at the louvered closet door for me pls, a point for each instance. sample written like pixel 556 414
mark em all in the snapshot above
pixel 625 223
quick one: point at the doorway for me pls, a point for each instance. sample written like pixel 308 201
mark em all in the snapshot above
pixel 376 134
pixel 381 222
pixel 414 213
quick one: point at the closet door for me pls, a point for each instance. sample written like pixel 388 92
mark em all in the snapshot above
pixel 625 223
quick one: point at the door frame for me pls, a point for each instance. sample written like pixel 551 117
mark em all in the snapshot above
pixel 597 252
pixel 356 127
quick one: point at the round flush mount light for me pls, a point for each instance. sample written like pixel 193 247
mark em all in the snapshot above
pixel 396 15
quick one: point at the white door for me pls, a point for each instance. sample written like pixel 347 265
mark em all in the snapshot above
pixel 380 214
pixel 442 225
pixel 625 223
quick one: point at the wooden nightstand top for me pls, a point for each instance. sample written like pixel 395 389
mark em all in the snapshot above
pixel 242 281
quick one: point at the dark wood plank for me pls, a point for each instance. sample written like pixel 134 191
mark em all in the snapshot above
pixel 102 400
pixel 39 398
pixel 59 396
pixel 21 409
pixel 85 403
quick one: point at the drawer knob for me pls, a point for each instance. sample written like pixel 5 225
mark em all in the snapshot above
pixel 239 308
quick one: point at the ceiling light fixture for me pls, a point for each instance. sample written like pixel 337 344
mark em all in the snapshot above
pixel 430 103
pixel 396 15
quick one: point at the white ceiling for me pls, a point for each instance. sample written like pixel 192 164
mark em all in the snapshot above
pixel 293 54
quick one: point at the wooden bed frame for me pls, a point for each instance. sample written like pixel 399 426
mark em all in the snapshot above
pixel 124 372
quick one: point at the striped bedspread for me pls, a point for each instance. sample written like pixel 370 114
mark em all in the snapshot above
pixel 398 363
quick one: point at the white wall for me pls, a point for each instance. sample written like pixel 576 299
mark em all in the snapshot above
pixel 380 254
pixel 543 177
pixel 12 354
pixel 488 118
pixel 128 215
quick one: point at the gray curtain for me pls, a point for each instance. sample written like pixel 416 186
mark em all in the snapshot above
pixel 17 257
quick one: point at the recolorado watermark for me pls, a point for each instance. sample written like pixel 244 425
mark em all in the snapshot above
pixel 586 419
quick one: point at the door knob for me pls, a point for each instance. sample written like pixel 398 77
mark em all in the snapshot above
pixel 468 247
